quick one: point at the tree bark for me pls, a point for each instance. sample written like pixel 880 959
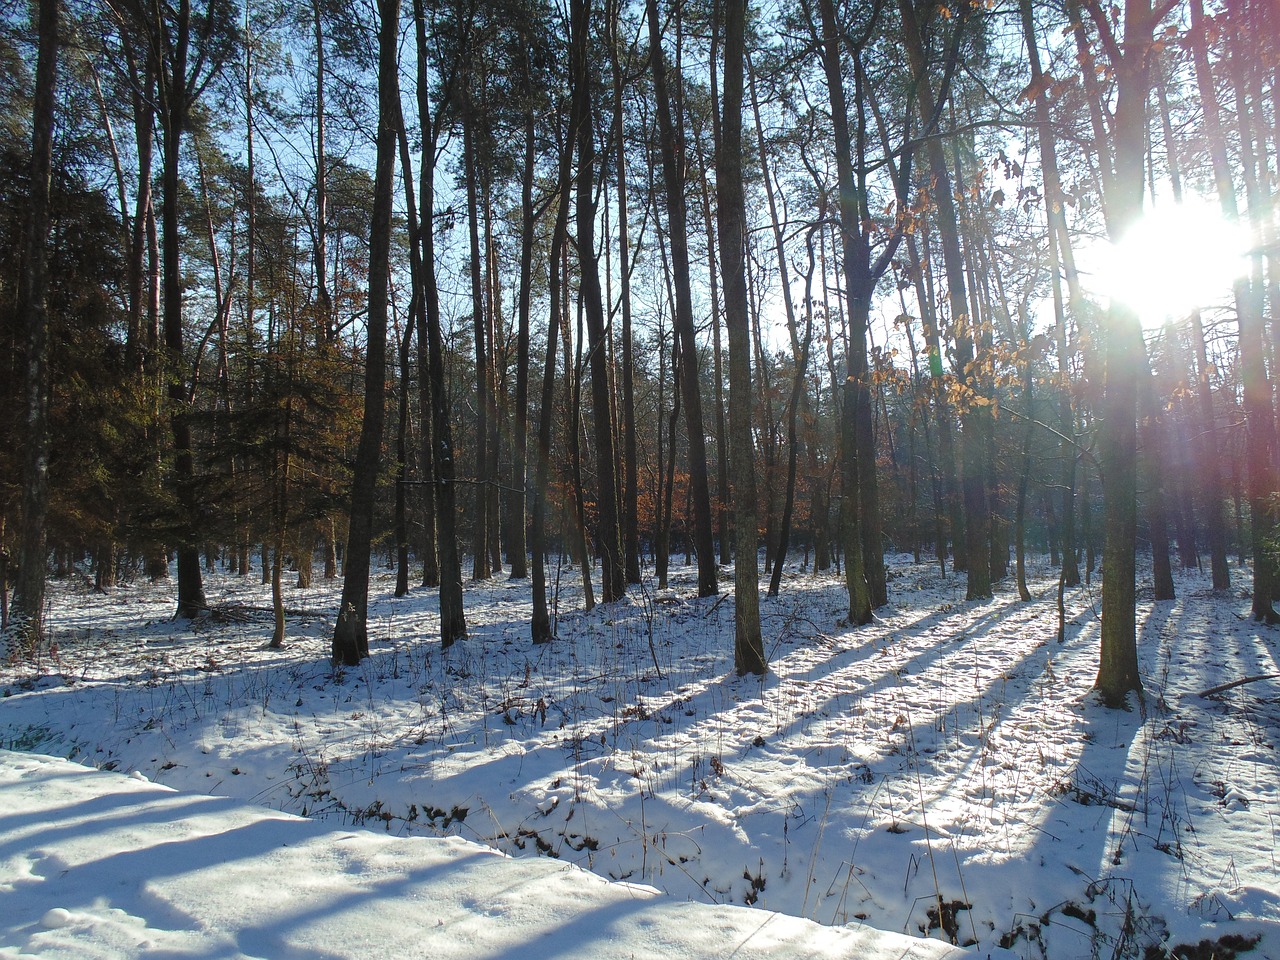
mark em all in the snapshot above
pixel 671 147
pixel 479 519
pixel 748 647
pixel 630 451
pixel 858 288
pixel 612 566
pixel 540 624
pixel 176 89
pixel 974 414
pixel 1125 360
pixel 453 623
pixel 27 627
pixel 350 636
pixel 517 505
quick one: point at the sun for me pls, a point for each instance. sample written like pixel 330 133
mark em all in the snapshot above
pixel 1177 258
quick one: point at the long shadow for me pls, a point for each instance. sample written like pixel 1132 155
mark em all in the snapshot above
pixel 137 879
pixel 1077 925
pixel 50 824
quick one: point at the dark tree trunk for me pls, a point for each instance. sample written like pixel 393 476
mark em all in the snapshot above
pixel 418 321
pixel 174 109
pixel 453 624
pixel 630 451
pixel 1126 359
pixel 540 624
pixel 350 636
pixel 402 458
pixel 748 647
pixel 612 567
pixel 974 416
pixel 480 517
pixel 144 111
pixel 1154 436
pixel 28 594
pixel 517 503
pixel 677 234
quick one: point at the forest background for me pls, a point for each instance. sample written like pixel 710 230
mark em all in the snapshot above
pixel 485 283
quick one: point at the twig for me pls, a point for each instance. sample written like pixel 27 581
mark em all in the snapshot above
pixel 1224 687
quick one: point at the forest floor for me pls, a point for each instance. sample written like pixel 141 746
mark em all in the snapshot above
pixel 945 772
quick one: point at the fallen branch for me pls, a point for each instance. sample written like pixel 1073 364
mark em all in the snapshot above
pixel 719 600
pixel 1224 687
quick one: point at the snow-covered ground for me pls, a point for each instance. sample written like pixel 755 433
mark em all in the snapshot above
pixel 945 772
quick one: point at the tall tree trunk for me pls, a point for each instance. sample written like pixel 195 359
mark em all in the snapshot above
pixel 582 548
pixel 540 624
pixel 1154 436
pixel 480 517
pixel 498 399
pixel 418 320
pixel 612 567
pixel 724 511
pixel 974 415
pixel 858 289
pixel 28 596
pixel 672 169
pixel 748 647
pixel 799 349
pixel 175 106
pixel 630 451
pixel 401 517
pixel 517 502
pixel 143 98
pixel 453 623
pixel 1125 359
pixel 949 521
pixel 1259 414
pixel 350 635
pixel 1213 493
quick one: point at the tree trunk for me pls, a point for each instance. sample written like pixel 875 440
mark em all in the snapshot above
pixel 672 167
pixel 858 288
pixel 453 623
pixel 748 647
pixel 401 522
pixel 27 631
pixel 540 624
pixel 418 321
pixel 724 511
pixel 517 503
pixel 1125 358
pixel 350 636
pixel 612 567
pixel 480 519
pixel 174 110
pixel 974 414
pixel 630 451
pixel 1259 413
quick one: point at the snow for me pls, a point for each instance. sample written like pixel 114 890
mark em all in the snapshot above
pixel 944 775
pixel 146 871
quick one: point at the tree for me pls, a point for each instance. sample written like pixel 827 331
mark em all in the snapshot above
pixel 612 562
pixel 188 49
pixel 1259 415
pixel 540 621
pixel 350 635
pixel 1125 354
pixel 27 627
pixel 975 414
pixel 453 623
pixel 748 643
pixel 671 146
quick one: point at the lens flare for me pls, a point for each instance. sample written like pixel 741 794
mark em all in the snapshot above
pixel 1178 257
